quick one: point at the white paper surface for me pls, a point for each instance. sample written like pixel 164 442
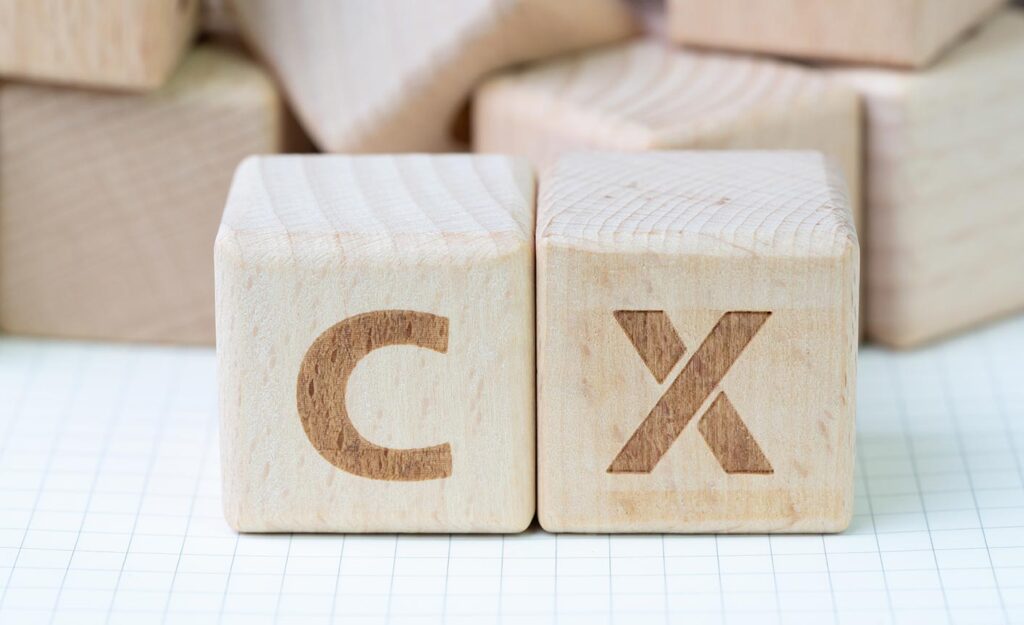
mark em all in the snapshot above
pixel 110 513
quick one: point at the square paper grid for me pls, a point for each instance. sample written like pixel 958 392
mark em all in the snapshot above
pixel 110 513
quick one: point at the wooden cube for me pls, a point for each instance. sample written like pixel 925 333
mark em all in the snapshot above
pixel 109 203
pixel 945 194
pixel 394 75
pixel 418 269
pixel 908 33
pixel 125 44
pixel 646 96
pixel 697 343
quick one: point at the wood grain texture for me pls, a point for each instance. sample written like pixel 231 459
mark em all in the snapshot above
pixel 393 75
pixel 906 33
pixel 109 203
pixel 945 193
pixel 323 380
pixel 751 259
pixel 688 392
pixel 647 96
pixel 124 44
pixel 654 338
pixel 388 247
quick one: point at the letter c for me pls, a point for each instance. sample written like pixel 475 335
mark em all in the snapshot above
pixel 323 378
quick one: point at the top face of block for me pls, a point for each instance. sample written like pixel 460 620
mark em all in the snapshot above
pixel 414 207
pixel 909 33
pixel 353 93
pixel 663 95
pixel 703 203
pixel 130 44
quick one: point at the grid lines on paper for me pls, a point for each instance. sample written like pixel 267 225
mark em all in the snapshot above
pixel 109 478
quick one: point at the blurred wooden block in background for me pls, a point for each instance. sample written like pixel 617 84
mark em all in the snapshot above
pixel 109 203
pixel 945 193
pixel 218 17
pixel 420 270
pixel 697 343
pixel 394 76
pixel 909 33
pixel 646 96
pixel 124 44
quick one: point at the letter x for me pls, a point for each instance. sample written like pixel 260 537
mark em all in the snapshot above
pixel 660 347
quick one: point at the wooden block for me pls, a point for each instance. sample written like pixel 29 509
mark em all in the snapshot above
pixel 109 203
pixel 124 44
pixel 646 96
pixel 393 75
pixel 697 343
pixel 907 33
pixel 945 166
pixel 218 17
pixel 375 338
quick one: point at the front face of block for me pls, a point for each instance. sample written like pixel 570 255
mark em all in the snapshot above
pixel 109 203
pixel 875 32
pixel 124 44
pixel 945 208
pixel 692 377
pixel 375 344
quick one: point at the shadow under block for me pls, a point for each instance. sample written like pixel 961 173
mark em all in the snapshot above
pixel 109 203
pixel 375 343
pixel 393 75
pixel 945 187
pixel 647 96
pixel 696 343
pixel 123 44
pixel 906 33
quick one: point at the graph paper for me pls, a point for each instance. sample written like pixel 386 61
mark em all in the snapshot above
pixel 110 513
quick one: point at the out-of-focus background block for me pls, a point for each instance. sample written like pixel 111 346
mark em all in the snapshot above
pixel 392 75
pixel 126 44
pixel 945 192
pixel 218 17
pixel 696 343
pixel 887 32
pixel 321 260
pixel 109 203
pixel 645 96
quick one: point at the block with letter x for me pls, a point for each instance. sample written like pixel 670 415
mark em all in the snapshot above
pixel 697 337
pixel 375 344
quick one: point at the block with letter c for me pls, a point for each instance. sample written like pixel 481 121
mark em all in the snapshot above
pixel 375 337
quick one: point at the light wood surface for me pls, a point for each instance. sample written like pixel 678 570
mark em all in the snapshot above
pixel 375 337
pixel 125 44
pixel 647 96
pixel 945 192
pixel 696 343
pixel 393 75
pixel 907 33
pixel 109 203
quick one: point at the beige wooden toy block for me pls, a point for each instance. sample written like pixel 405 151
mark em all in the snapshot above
pixel 375 343
pixel 908 33
pixel 696 343
pixel 394 75
pixel 109 203
pixel 945 194
pixel 647 96
pixel 124 44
